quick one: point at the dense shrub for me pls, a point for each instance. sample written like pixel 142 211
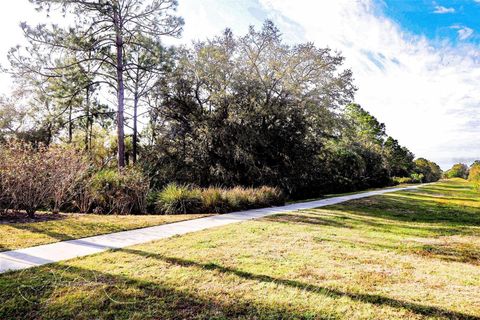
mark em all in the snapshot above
pixel 176 199
pixel 414 178
pixel 402 180
pixel 38 177
pixel 117 191
pixel 417 177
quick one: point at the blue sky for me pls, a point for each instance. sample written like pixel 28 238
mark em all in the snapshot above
pixel 437 20
pixel 416 62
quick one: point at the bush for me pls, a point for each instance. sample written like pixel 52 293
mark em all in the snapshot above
pixel 118 192
pixel 402 180
pixel 215 200
pixel 417 177
pixel 176 199
pixel 414 178
pixel 38 177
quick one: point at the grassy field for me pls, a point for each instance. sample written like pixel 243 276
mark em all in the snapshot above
pixel 75 226
pixel 409 255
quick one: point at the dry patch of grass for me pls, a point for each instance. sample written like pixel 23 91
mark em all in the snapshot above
pixel 364 259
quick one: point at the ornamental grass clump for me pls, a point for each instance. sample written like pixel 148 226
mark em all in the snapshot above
pixel 179 199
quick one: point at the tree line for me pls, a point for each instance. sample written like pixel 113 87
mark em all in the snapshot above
pixel 227 111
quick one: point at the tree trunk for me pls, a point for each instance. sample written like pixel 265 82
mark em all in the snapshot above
pixel 120 88
pixel 135 132
pixel 87 117
pixel 70 124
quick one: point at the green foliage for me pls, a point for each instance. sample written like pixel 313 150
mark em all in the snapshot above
pixel 417 177
pixel 365 127
pixel 414 178
pixel 402 180
pixel 398 159
pixel 474 175
pixel 176 199
pixel 118 191
pixel 256 122
pixel 459 170
pixel 431 171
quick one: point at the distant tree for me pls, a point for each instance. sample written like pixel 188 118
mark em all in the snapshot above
pixel 398 159
pixel 459 170
pixel 366 129
pixel 430 170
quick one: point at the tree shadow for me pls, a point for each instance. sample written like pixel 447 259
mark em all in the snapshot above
pixel 305 219
pixel 362 297
pixel 11 217
pixel 397 208
pixel 45 293
pixel 53 234
pixel 340 218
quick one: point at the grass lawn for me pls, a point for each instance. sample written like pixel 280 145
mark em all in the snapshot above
pixel 75 226
pixel 409 255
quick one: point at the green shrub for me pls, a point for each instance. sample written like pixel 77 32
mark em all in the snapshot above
pixel 118 192
pixel 177 199
pixel 417 177
pixel 414 178
pixel 402 180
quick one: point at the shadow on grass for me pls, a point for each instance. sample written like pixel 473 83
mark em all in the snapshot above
pixel 362 297
pixel 53 234
pixel 404 209
pixel 63 292
pixel 18 217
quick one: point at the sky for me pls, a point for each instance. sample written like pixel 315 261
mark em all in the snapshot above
pixel 416 63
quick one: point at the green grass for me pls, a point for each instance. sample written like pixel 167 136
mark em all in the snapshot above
pixel 75 226
pixel 408 255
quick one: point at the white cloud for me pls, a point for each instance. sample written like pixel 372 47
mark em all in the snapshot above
pixel 427 96
pixel 443 10
pixel 463 32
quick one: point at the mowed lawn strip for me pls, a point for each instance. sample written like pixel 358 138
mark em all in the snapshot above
pixel 76 226
pixel 408 255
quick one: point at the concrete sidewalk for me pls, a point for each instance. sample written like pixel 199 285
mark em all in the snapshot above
pixel 44 254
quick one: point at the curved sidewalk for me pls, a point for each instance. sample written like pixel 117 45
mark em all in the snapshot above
pixel 60 251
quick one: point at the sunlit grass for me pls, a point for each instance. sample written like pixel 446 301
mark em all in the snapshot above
pixel 74 226
pixel 408 255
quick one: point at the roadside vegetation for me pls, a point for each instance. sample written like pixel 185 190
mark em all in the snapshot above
pixel 248 114
pixel 409 255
